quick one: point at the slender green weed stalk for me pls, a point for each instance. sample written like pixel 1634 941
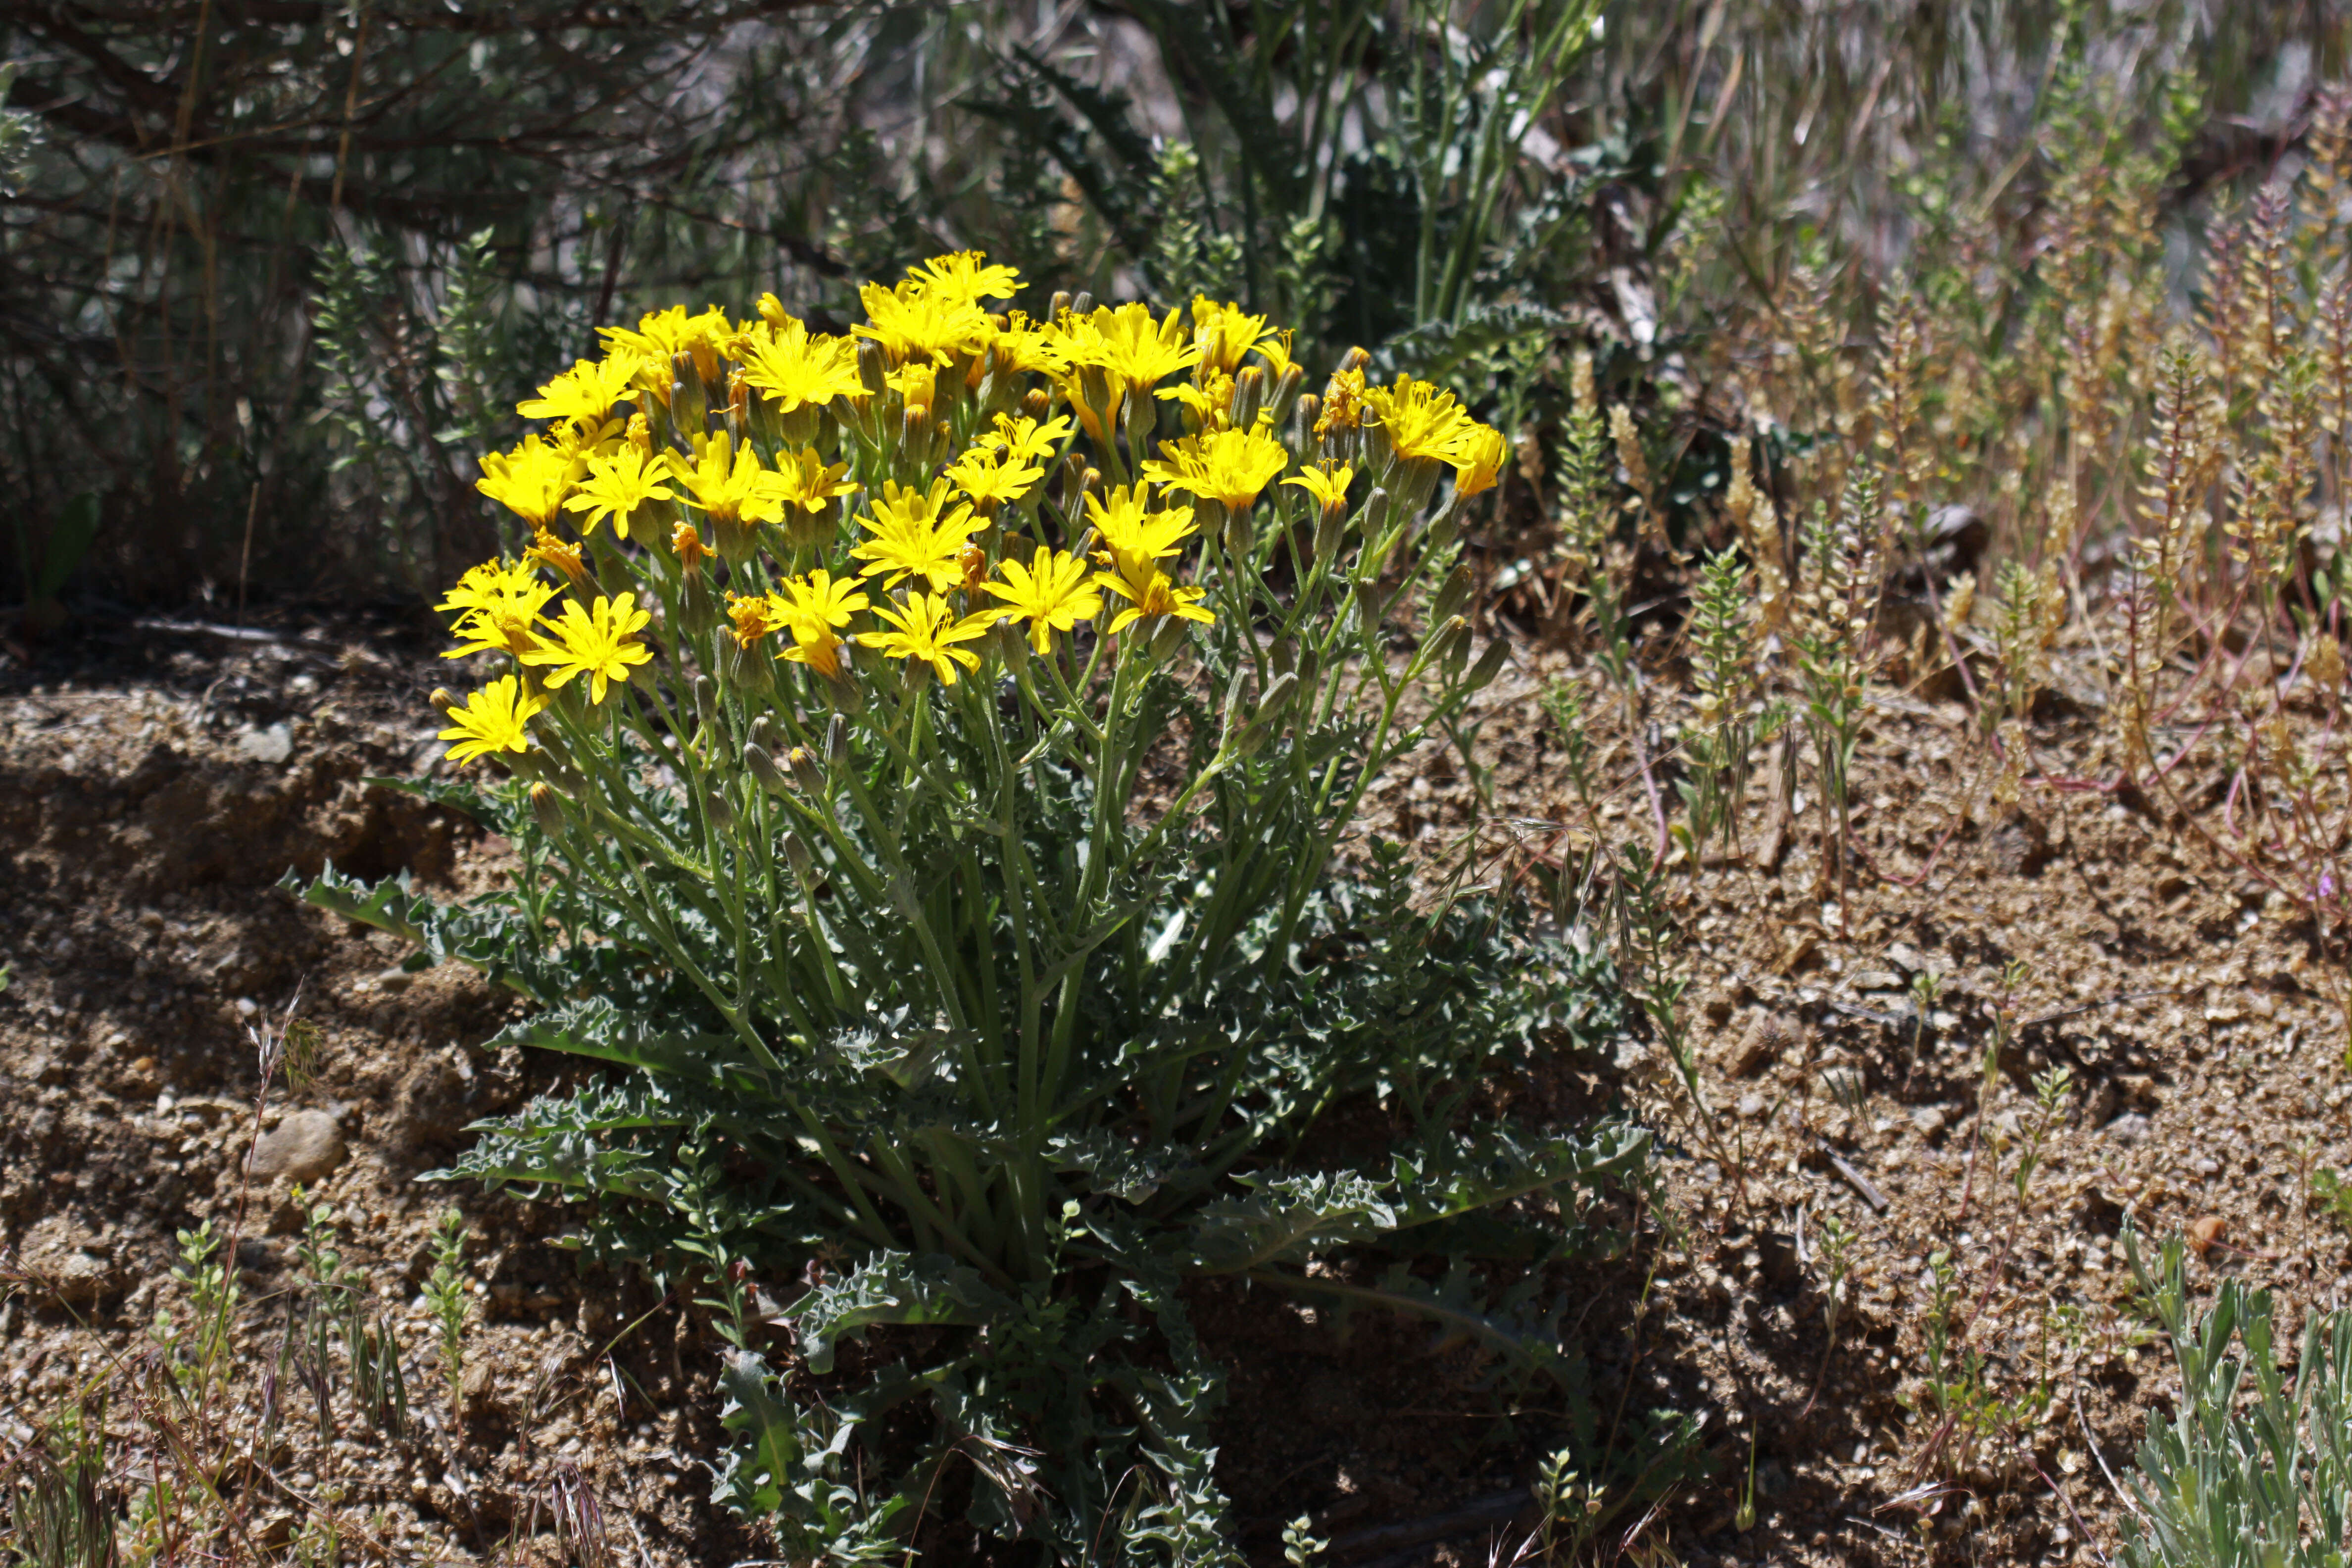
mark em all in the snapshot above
pixel 1728 720
pixel 447 1293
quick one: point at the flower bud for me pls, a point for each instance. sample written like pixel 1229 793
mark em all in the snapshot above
pixel 836 742
pixel 1169 638
pixel 1330 531
pixel 547 805
pixel 442 700
pixel 1249 395
pixel 1442 531
pixel 745 668
pixel 1453 595
pixel 1060 302
pixel 1036 405
pixel 1453 646
pixel 762 768
pixel 1284 396
pixel 763 733
pixel 806 772
pixel 686 403
pixel 1489 664
pixel 873 367
pixel 797 856
pixel 1082 303
pixel 1267 720
pixel 720 810
pixel 700 611
pixel 1237 535
pixel 705 701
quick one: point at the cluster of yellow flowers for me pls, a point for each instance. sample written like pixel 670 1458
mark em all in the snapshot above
pixel 929 441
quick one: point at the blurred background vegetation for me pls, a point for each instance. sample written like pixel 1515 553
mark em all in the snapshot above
pixel 273 272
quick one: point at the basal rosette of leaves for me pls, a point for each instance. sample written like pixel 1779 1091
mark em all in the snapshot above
pixel 929 753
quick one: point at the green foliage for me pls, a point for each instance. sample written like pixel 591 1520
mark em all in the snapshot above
pixel 446 1293
pixel 2249 1471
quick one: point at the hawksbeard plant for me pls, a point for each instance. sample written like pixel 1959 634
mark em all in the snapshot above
pixel 930 752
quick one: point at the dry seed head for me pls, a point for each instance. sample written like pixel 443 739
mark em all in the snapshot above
pixel 1959 600
pixel 1581 396
pixel 2324 664
pixel 2009 784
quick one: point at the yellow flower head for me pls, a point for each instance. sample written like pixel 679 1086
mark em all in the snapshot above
pixel 815 606
pixel 498 604
pixel 687 544
pixel 1209 398
pixel 492 720
pixel 1024 440
pixel 754 616
pixel 929 630
pixel 915 533
pixel 532 480
pixel 1149 593
pixel 1131 532
pixel 1128 346
pixel 916 385
pixel 1422 420
pixel 1343 403
pixel 1052 593
pixel 660 335
pixel 1025 348
pixel 821 653
pixel 992 476
pixel 1478 460
pixel 966 277
pixel 913 322
pixel 1225 333
pixel 1328 484
pixel 600 642
pixel 797 368
pixel 585 394
pixel 1274 350
pixel 617 484
pixel 727 482
pixel 550 551
pixel 807 481
pixel 1228 465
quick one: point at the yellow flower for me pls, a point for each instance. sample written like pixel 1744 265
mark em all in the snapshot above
pixel 1023 347
pixel 532 480
pixel 992 476
pixel 1128 346
pixel 821 653
pixel 1052 593
pixel 912 536
pixel 805 481
pixel 1228 465
pixel 966 277
pixel 550 551
pixel 1130 532
pixel 1026 441
pixel 617 485
pixel 661 334
pixel 755 615
pixel 1422 421
pixel 492 720
pixel 1150 592
pixel 1343 400
pixel 586 393
pixel 1275 349
pixel 815 606
pixel 1224 332
pixel 916 385
pixel 1211 399
pixel 499 603
pixel 1478 460
pixel 1327 484
pixel 912 322
pixel 725 482
pixel 599 643
pixel 929 631
pixel 687 544
pixel 797 368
